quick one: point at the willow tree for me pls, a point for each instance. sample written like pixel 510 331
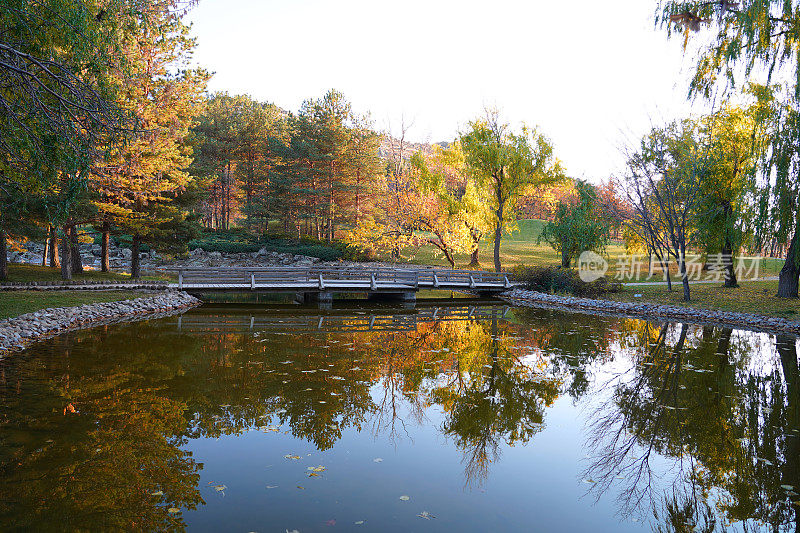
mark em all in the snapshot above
pixel 507 165
pixel 725 200
pixel 757 41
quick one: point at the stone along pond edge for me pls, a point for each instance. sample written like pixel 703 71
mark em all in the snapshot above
pixel 648 311
pixel 18 332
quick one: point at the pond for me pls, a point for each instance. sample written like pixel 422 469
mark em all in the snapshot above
pixel 453 416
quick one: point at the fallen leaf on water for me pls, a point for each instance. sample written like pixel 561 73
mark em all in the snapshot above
pixel 313 474
pixel 290 456
pixel 331 522
pixel 292 531
pixel 220 488
pixel 272 486
pixel 589 481
pixel 319 468
pixel 173 510
pixel 358 522
pixel 301 487
pixel 426 515
pixel 158 493
pixel 377 460
pixel 787 487
pixel 404 498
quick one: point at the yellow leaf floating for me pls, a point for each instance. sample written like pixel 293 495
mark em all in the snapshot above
pixel 220 488
pixel 173 510
pixel 404 498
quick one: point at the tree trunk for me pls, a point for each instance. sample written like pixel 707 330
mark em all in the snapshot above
pixel 727 261
pixel 498 234
pixel 788 278
pixel 684 276
pixel 54 259
pixel 66 255
pixel 473 258
pixel 135 268
pixel 449 257
pixel 46 250
pixel 77 265
pixel 665 268
pixel 565 258
pixel 3 255
pixel 104 261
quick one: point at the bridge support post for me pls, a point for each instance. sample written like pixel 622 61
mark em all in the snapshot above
pixel 323 297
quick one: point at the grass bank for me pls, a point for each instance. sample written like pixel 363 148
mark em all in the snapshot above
pixel 15 303
pixel 522 248
pixel 26 273
pixel 756 297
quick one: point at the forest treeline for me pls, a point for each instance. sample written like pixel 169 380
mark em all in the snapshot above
pixel 107 130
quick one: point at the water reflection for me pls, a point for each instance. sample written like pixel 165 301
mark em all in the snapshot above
pixel 720 409
pixel 684 426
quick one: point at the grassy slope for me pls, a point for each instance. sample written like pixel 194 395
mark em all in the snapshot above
pixel 521 247
pixel 24 273
pixel 750 297
pixel 14 303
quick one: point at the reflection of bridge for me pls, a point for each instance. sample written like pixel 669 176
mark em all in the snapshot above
pixel 309 320
pixel 321 282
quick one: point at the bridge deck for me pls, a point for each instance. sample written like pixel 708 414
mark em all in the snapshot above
pixel 327 279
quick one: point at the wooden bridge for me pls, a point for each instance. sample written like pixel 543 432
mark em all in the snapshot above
pixel 320 283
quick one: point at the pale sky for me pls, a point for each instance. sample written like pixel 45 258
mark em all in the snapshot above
pixel 591 75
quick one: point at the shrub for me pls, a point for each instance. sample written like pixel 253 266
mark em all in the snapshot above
pixel 560 280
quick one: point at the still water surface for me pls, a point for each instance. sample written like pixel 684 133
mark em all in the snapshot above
pixel 452 418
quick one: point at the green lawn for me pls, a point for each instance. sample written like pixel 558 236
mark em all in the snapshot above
pixel 15 303
pixel 517 248
pixel 521 247
pixel 25 273
pixel 750 297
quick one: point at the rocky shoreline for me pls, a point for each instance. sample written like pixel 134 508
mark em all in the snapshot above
pixel 18 332
pixel 648 311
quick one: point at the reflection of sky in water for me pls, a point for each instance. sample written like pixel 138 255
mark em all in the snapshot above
pixel 535 487
pixel 522 424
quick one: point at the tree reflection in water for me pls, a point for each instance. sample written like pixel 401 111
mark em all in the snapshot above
pixel 94 425
pixel 721 409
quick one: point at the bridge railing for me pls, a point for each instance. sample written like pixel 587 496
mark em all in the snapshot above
pixel 411 278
